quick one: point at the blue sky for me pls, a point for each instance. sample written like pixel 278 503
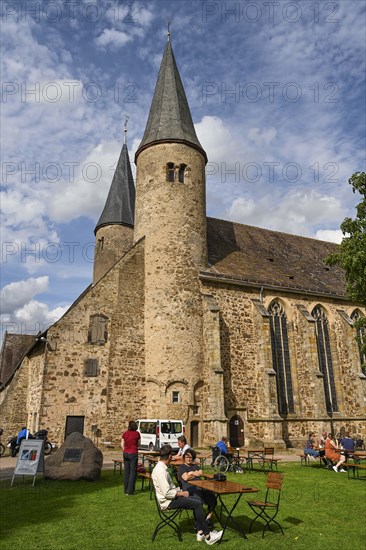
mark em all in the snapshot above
pixel 277 95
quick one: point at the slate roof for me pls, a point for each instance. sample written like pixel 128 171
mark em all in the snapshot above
pixel 169 119
pixel 120 204
pixel 13 349
pixel 271 258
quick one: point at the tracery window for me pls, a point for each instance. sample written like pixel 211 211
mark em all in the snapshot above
pixel 361 340
pixel 281 358
pixel 170 172
pixel 325 358
pixel 98 329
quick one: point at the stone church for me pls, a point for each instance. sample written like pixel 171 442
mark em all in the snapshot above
pixel 235 329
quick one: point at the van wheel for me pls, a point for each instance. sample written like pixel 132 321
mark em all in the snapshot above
pixel 151 447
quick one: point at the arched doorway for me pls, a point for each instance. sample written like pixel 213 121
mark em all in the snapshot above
pixel 236 431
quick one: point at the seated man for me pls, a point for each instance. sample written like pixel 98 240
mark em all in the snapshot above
pixel 222 445
pixel 183 446
pixel 347 443
pixel 171 497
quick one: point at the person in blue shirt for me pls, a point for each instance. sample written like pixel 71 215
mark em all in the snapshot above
pixel 347 443
pixel 23 434
pixel 222 445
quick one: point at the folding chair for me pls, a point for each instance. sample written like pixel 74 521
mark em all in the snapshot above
pixel 267 461
pixel 268 509
pixel 167 518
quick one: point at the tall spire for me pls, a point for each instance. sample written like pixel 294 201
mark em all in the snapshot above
pixel 169 119
pixel 120 204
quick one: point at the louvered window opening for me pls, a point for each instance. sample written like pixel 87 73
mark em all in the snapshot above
pixel 91 367
pixel 97 330
pixel 325 359
pixel 281 358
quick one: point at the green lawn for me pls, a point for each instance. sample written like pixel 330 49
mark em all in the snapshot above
pixel 319 509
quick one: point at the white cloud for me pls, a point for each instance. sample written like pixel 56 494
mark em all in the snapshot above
pixel 15 296
pixel 261 137
pixel 113 37
pixel 332 235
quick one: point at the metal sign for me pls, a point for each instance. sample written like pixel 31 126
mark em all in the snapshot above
pixel 72 455
pixel 30 459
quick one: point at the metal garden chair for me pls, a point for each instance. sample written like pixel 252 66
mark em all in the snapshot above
pixel 268 509
pixel 167 518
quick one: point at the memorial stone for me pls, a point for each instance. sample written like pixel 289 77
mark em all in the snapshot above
pixel 77 458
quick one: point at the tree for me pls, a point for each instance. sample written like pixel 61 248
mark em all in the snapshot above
pixel 352 255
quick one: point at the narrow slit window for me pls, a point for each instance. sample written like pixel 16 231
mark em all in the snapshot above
pixel 170 172
pixel 182 169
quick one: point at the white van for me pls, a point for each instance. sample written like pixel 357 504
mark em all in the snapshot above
pixel 155 433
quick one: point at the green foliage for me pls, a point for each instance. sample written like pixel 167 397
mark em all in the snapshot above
pixel 317 505
pixel 352 253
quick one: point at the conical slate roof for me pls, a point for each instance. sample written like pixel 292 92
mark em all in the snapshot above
pixel 169 119
pixel 120 204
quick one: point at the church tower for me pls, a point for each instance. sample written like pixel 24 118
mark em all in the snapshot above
pixel 171 216
pixel 114 230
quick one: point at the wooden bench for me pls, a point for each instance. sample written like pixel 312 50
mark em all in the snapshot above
pixel 117 462
pixel 145 476
pixel 355 468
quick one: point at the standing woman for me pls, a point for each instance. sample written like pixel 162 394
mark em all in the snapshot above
pixel 129 444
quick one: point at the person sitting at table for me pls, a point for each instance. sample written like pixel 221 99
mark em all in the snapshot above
pixel 190 471
pixel 311 446
pixel 183 446
pixel 222 445
pixel 332 453
pixel 347 443
pixel 170 497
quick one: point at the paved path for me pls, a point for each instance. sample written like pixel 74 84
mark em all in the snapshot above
pixel 7 463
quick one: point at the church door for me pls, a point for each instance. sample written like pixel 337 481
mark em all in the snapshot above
pixel 236 431
pixel 194 434
pixel 74 424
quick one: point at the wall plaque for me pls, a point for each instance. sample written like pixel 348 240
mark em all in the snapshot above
pixel 72 455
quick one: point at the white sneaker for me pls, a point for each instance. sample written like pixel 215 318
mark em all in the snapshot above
pixel 214 537
pixel 335 469
pixel 200 537
pixel 343 471
pixel 311 457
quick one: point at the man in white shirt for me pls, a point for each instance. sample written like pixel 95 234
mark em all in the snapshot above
pixel 183 446
pixel 171 497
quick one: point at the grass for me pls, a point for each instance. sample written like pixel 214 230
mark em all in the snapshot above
pixel 319 509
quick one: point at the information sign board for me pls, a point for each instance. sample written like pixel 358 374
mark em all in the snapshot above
pixel 30 458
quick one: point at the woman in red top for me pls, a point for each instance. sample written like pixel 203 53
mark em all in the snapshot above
pixel 129 443
pixel 331 452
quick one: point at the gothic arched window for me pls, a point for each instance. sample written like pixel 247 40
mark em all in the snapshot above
pixel 170 172
pixel 182 169
pixel 361 339
pixel 281 358
pixel 325 358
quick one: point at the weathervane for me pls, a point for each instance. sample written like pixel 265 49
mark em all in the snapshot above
pixel 168 33
pixel 125 128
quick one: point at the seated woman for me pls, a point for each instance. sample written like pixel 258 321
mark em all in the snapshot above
pixel 310 447
pixel 189 471
pixel 332 453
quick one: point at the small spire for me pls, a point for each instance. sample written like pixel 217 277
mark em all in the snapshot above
pixel 125 129
pixel 168 33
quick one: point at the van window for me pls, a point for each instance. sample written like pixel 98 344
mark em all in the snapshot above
pixel 171 428
pixel 148 427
